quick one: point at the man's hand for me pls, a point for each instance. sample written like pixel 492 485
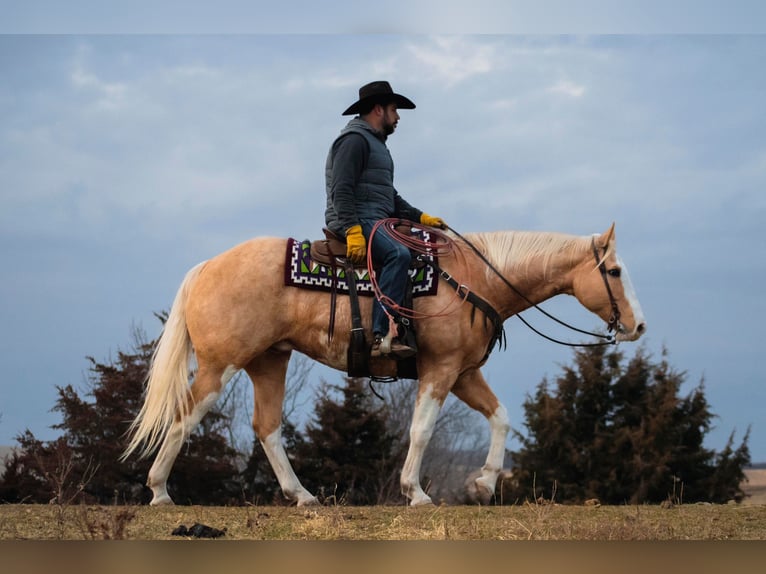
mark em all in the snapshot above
pixel 356 245
pixel 432 221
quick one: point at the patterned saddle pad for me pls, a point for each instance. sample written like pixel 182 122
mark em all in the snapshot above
pixel 302 271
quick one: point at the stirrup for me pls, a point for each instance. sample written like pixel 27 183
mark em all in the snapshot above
pixel 391 346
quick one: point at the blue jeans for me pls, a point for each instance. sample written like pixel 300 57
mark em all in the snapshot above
pixel 394 261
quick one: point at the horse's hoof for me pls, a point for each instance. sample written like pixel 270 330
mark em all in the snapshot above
pixel 162 501
pixel 308 501
pixel 483 492
pixel 424 500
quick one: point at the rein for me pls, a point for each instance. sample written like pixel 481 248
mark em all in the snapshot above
pixel 613 321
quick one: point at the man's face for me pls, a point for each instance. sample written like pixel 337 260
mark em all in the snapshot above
pixel 390 119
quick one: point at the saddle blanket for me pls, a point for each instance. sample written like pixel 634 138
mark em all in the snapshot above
pixel 302 271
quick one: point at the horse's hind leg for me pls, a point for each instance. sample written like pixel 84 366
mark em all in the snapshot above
pixel 472 389
pixel 267 372
pixel 203 394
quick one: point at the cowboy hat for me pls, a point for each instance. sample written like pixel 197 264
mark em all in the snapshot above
pixel 375 92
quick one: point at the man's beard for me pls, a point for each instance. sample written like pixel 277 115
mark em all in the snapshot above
pixel 388 128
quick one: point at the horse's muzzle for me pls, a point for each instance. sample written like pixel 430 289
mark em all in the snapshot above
pixel 625 335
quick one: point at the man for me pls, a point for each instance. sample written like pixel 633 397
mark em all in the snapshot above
pixel 359 178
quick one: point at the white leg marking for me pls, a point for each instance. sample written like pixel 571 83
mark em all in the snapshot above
pixel 171 446
pixel 422 427
pixel 291 486
pixel 499 425
pixel 158 474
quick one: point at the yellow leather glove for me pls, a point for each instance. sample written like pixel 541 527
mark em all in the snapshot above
pixel 432 221
pixel 356 245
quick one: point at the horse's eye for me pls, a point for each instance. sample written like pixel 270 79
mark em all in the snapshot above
pixel 614 272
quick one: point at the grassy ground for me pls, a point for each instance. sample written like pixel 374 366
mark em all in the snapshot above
pixel 530 522
pixel 543 521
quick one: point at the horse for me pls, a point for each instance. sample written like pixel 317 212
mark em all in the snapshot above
pixel 234 312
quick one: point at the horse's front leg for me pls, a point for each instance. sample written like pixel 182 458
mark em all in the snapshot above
pixel 473 390
pixel 427 407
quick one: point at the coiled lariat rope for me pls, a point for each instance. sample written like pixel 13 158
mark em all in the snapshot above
pixel 441 245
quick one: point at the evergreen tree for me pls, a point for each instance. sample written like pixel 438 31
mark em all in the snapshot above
pixel 728 474
pixel 349 453
pixel 84 460
pixel 622 434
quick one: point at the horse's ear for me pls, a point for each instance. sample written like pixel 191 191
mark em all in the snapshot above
pixel 606 237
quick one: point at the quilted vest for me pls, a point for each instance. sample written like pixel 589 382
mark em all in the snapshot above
pixel 375 194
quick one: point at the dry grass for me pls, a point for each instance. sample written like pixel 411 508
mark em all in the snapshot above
pixel 529 522
pixel 541 521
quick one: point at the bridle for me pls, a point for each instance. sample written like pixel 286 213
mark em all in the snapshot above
pixel 614 321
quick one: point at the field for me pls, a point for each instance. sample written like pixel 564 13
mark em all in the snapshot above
pixel 531 522
pixel 542 521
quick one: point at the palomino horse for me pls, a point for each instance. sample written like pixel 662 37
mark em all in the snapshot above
pixel 234 312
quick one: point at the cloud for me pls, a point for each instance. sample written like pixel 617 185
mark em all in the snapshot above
pixel 452 60
pixel 567 88
pixel 109 95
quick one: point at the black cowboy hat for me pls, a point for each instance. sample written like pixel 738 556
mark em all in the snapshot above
pixel 378 92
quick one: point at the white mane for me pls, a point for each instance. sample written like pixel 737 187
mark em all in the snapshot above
pixel 514 251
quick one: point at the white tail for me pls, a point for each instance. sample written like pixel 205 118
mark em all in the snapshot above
pixel 167 386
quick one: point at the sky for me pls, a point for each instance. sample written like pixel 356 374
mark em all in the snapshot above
pixel 130 151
